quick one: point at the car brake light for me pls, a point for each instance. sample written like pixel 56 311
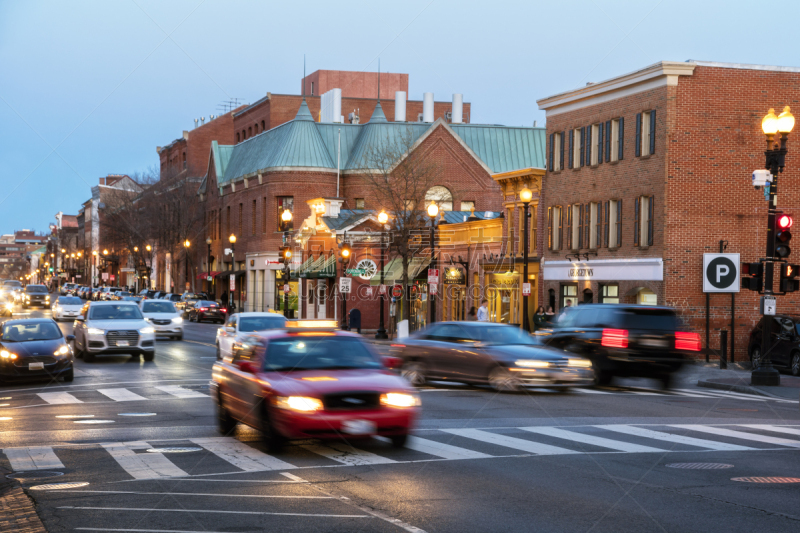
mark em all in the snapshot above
pixel 204 308
pixel 687 341
pixel 615 338
pixel 397 346
pixel 224 310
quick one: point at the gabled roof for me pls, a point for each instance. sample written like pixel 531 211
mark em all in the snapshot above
pixel 505 148
pixel 346 218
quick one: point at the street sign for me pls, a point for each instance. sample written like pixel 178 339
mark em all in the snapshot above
pixel 369 291
pixel 526 289
pixel 397 291
pixel 111 277
pixel 433 275
pixel 105 275
pixel 720 272
pixel 356 271
pixel 381 289
pixel 233 283
pixel 208 278
pixel 345 284
pixel 433 288
pixel 286 288
pixel 769 305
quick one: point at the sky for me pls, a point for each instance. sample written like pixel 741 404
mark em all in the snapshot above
pixel 91 88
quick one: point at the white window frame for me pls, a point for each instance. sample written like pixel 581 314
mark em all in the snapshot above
pixel 556 151
pixel 576 148
pixel 645 147
pixel 593 226
pixel 555 233
pixel 613 206
pixel 615 140
pixel 644 219
pixel 576 228
pixel 595 148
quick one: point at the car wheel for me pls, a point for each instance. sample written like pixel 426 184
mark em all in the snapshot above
pixel 414 372
pixel 666 381
pixel 149 356
pixel 794 366
pixel 179 337
pixel 503 380
pixel 69 376
pixel 399 441
pixel 755 358
pixel 273 441
pixel 225 422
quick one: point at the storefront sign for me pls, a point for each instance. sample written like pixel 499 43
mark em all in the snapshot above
pixel 345 284
pixel 645 269
pixel 526 289
pixel 433 275
pixel 432 288
pixel 454 276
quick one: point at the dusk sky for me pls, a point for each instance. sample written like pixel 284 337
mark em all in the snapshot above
pixel 91 88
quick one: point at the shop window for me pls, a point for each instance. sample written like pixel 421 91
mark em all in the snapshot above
pixel 643 222
pixel 609 294
pixel 569 296
pixel 442 196
pixel 284 203
pixel 467 205
pixel 646 297
pixel 359 203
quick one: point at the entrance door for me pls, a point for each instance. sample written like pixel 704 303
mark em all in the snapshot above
pixel 321 297
pixel 457 299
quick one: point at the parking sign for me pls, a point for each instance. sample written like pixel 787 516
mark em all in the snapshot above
pixel 720 272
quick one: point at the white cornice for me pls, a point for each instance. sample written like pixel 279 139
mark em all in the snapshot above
pixel 663 73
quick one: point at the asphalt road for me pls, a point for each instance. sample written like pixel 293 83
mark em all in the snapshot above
pixel 140 444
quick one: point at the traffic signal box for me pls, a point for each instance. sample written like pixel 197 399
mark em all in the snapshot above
pixel 286 254
pixel 788 280
pixel 754 276
pixel 782 235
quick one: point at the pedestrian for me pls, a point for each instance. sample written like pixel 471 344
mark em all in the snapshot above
pixel 483 311
pixel 539 319
pixel 224 297
pixel 568 303
pixel 550 314
pixel 472 315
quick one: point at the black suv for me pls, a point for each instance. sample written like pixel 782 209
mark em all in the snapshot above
pixel 36 295
pixel 784 343
pixel 624 340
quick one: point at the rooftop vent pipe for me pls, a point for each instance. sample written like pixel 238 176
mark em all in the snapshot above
pixel 458 108
pixel 427 107
pixel 400 106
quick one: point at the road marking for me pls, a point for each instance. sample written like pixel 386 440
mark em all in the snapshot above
pixel 58 397
pixel 679 439
pixel 722 394
pixel 147 530
pixel 215 495
pixel 345 454
pixel 739 435
pixel 203 343
pixel 591 439
pixel 241 455
pixel 112 383
pixel 142 465
pixel 180 392
pixel 777 429
pixel 510 442
pixel 591 391
pixel 439 449
pixel 205 511
pixel 32 458
pixel 121 395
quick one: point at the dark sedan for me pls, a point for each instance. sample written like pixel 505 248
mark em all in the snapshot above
pixel 207 310
pixel 784 343
pixel 36 295
pixel 479 352
pixel 34 348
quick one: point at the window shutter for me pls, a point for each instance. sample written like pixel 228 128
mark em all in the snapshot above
pixel 652 132
pixel 560 227
pixel 569 227
pixel 650 222
pixel 583 147
pixel 600 145
pixel 636 221
pixel 588 146
pixel 561 146
pixel 605 225
pixel 619 223
pixel 608 141
pixel 549 228
pixel 570 157
pixel 621 136
pixel 637 151
pixel 550 157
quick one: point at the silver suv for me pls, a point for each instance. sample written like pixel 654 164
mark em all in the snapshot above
pixel 113 327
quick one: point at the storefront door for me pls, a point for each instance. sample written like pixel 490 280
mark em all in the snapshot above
pixel 503 295
pixel 456 301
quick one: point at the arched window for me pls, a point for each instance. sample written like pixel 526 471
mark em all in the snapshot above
pixel 244 134
pixel 250 131
pixel 237 137
pixel 442 197
pixel 255 128
pixel 263 125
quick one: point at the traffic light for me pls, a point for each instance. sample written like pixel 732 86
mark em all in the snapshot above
pixel 754 275
pixel 788 275
pixel 286 254
pixel 783 236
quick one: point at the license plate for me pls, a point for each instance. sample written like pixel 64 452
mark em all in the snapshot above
pixel 35 366
pixel 123 343
pixel 655 343
pixel 359 427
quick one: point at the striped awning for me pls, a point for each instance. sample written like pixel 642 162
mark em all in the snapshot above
pixel 323 267
pixel 393 271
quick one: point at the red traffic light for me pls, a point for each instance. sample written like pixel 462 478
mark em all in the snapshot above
pixel 784 221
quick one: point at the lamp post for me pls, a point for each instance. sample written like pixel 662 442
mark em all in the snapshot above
pixel 232 240
pixel 186 245
pixel 150 264
pixel 775 154
pixel 208 259
pixel 526 195
pixel 344 253
pixel 383 218
pixel 433 210
pixel 286 253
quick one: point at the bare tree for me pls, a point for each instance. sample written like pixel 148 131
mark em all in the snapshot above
pixel 398 175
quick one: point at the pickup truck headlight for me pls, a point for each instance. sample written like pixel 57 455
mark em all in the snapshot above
pixel 95 331
pixel 399 399
pixel 148 329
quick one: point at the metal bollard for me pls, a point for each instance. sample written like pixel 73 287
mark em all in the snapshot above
pixel 723 348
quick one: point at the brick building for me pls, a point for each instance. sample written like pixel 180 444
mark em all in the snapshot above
pixel 649 170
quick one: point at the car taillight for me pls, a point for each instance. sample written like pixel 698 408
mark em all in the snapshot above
pixel 615 338
pixel 224 310
pixel 687 341
pixel 204 308
pixel 397 346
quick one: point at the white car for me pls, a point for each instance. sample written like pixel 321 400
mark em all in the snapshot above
pixel 164 317
pixel 113 327
pixel 242 324
pixel 66 307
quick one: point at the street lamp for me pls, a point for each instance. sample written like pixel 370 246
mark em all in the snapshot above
pixel 344 252
pixel 232 240
pixel 186 245
pixel 775 154
pixel 208 242
pixel 383 218
pixel 433 210
pixel 526 195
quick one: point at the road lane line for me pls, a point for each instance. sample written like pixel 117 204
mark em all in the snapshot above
pixel 345 454
pixel 510 442
pixel 241 455
pixel 728 396
pixel 591 439
pixel 180 392
pixel 669 437
pixel 215 495
pixel 739 435
pixel 439 449
pixel 56 398
pixel 777 429
pixel 32 458
pixel 121 395
pixel 142 465
pixel 204 511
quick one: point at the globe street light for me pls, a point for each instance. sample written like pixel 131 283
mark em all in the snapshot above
pixel 525 195
pixel 383 218
pixel 186 245
pixel 286 255
pixel 433 210
pixel 232 240
pixel 344 252
pixel 208 242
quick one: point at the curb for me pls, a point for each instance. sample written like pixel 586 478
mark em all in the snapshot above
pixel 737 388
pixel 17 510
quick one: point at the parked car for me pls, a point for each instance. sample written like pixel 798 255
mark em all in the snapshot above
pixel 784 343
pixel 241 325
pixel 106 293
pixel 119 294
pixel 65 288
pixel 36 295
pixel 95 294
pixel 624 340
pixel 135 299
pixel 312 381
pixel 34 348
pixel 113 327
pixel 66 307
pixel 164 317
pixel 188 299
pixel 207 310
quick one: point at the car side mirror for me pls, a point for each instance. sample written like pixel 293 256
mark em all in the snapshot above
pixel 70 337
pixel 230 329
pixel 247 366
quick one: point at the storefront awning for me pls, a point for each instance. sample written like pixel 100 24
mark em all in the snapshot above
pixel 228 273
pixel 204 275
pixel 302 269
pixel 323 267
pixel 394 270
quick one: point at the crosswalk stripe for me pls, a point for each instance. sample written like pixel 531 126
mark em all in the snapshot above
pixel 121 395
pixel 739 435
pixel 345 454
pixel 439 449
pixel 669 437
pixel 510 442
pixel 32 458
pixel 58 397
pixel 241 455
pixel 591 391
pixel 777 429
pixel 723 394
pixel 142 465
pixel 689 394
pixel 592 439
pixel 180 392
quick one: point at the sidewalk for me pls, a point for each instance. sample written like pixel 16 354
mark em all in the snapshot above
pixel 17 511
pixel 737 378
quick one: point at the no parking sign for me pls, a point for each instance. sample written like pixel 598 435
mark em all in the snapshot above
pixel 720 272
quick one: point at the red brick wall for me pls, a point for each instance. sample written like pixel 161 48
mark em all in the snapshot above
pixel 197 147
pixel 355 84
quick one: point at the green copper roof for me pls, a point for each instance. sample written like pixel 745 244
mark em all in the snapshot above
pixel 505 148
pixel 375 135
